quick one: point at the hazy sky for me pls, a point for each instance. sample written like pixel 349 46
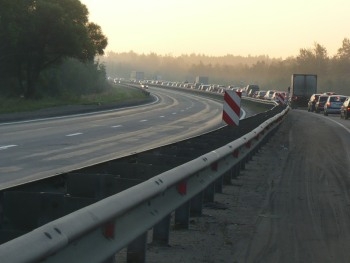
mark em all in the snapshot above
pixel 277 28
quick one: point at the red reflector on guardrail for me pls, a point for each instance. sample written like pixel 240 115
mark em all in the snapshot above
pixel 182 188
pixel 108 230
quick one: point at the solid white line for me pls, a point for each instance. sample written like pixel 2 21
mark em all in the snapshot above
pixel 74 134
pixel 341 125
pixel 7 146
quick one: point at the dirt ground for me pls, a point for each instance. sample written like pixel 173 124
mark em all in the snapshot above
pixel 290 204
pixel 223 232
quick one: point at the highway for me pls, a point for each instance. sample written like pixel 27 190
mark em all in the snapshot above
pixel 31 150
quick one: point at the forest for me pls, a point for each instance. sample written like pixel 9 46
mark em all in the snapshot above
pixel 49 48
pixel 268 73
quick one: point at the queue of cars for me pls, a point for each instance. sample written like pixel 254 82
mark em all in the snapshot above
pixel 330 103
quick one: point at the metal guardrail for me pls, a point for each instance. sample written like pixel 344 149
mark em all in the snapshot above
pixel 97 232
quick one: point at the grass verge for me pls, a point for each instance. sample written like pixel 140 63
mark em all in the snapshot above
pixel 113 95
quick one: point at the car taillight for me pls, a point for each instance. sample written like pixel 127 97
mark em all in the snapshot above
pixel 328 104
pixel 348 108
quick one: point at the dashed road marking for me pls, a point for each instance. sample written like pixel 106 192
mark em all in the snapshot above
pixel 7 147
pixel 74 134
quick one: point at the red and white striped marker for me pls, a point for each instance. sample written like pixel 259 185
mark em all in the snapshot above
pixel 280 99
pixel 232 107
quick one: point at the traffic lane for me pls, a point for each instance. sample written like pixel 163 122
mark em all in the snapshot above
pixel 44 149
pixel 306 214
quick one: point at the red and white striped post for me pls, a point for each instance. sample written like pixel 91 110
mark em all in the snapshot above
pixel 232 107
pixel 280 99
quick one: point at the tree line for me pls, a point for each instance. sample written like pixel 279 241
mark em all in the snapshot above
pixel 48 47
pixel 269 73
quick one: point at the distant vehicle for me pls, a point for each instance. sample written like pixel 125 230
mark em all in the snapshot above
pixel 333 104
pixel 302 87
pixel 319 105
pixel 261 94
pixel 268 95
pixel 312 102
pixel 345 109
pixel 250 89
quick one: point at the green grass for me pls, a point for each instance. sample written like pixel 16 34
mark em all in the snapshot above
pixel 114 95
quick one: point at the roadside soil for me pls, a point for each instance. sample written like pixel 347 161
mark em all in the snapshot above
pixel 290 204
pixel 224 231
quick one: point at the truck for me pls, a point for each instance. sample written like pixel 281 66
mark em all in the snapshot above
pixel 303 86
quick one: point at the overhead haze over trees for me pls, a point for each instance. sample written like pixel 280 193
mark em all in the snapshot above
pixel 269 73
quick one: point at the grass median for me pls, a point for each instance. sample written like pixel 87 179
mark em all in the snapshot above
pixel 113 95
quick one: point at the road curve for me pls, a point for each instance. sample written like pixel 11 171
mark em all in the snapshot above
pixel 33 150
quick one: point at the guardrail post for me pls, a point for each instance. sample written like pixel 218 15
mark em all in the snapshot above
pixel 161 231
pixel 197 204
pixel 182 216
pixel 227 177
pixel 242 163
pixel 136 252
pixel 219 184
pixel 209 193
pixel 236 170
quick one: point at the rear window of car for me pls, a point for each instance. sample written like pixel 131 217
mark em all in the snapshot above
pixel 323 98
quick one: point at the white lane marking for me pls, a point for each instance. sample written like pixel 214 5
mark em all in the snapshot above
pixel 161 116
pixel 143 120
pixel 74 134
pixel 341 125
pixel 117 126
pixel 7 146
pixel 174 113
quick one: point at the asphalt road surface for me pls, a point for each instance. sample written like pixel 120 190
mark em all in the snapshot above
pixel 30 150
pixel 290 204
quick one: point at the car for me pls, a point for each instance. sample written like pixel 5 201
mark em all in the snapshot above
pixel 345 109
pixel 333 104
pixel 268 95
pixel 319 105
pixel 250 89
pixel 261 94
pixel 312 102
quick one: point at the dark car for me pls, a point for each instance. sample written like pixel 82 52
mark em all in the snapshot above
pixel 333 104
pixel 345 109
pixel 312 102
pixel 319 105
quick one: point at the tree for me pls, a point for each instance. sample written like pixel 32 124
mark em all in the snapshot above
pixel 42 33
pixel 344 51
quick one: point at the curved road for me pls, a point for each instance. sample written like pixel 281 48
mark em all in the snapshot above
pixel 35 149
